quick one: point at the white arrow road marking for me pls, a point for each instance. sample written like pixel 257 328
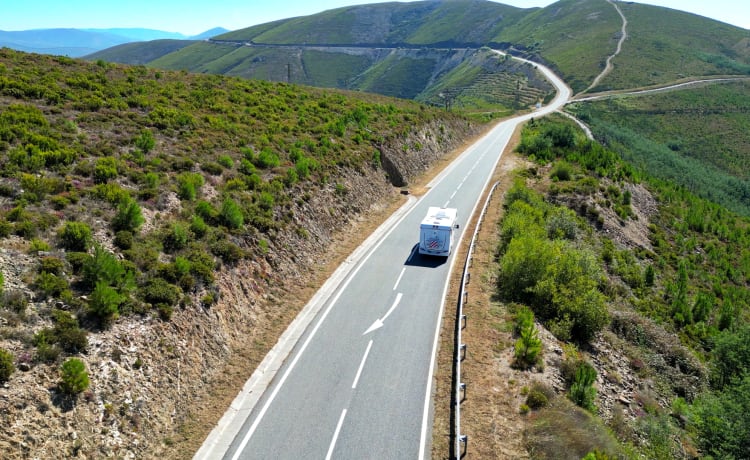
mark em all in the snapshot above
pixel 361 366
pixel 400 276
pixel 379 322
pixel 336 435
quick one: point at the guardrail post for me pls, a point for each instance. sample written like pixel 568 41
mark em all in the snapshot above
pixel 463 321
pixel 463 351
pixel 462 386
pixel 464 440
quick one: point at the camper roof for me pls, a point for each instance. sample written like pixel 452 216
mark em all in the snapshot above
pixel 441 217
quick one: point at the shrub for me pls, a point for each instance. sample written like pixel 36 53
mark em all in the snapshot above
pixel 188 184
pixel 38 245
pixel 159 291
pixel 46 350
pixel 128 217
pixel 14 300
pixel 49 285
pixel 215 169
pixel 582 392
pixel 124 239
pixel 207 212
pixel 266 159
pixel 231 214
pixel 536 399
pixel 51 265
pixel 67 333
pixel 228 252
pixel 561 171
pixel 6 365
pixel 176 238
pixel 105 302
pixel 77 260
pixel 528 347
pixel 105 169
pixel 74 378
pixel 539 395
pixel 145 141
pixel 226 161
pixel 198 226
pixel 75 236
pixel 104 266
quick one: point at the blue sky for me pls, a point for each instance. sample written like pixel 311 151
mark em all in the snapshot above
pixel 192 17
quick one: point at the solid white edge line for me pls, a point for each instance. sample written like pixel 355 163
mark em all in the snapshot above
pixel 361 366
pixel 336 435
pixel 403 270
pixel 562 93
pixel 436 341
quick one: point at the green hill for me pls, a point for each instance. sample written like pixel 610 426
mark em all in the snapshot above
pixel 180 207
pixel 352 47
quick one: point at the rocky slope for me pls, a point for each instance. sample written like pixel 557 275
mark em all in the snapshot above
pixel 158 386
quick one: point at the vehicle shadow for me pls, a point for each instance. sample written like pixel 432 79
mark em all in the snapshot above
pixel 416 259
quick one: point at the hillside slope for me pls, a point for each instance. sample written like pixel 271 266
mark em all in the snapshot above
pixel 163 228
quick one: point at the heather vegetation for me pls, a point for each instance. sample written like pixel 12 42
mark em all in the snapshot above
pixel 692 280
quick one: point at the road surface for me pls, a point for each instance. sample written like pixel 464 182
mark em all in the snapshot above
pixel 357 380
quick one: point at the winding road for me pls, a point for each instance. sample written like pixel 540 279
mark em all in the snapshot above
pixel 352 375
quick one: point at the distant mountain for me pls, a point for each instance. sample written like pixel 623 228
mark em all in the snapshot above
pixel 429 50
pixel 135 53
pixel 81 42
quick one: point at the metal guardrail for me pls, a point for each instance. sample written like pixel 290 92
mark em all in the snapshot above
pixel 459 387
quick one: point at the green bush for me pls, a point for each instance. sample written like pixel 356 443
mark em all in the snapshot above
pixel 38 245
pixel 562 170
pixel 128 217
pixel 51 265
pixel 537 399
pixel 74 378
pixel 266 159
pixel 582 391
pixel 528 347
pixel 226 161
pixel 722 421
pixel 198 226
pixel 6 365
pixel 49 285
pixel 67 333
pixel 159 291
pixel 105 170
pixel 176 238
pixel 77 260
pixel 231 214
pixel 188 184
pixel 46 349
pixel 104 266
pixel 145 141
pixel 123 239
pixel 105 301
pixel 75 236
pixel 215 169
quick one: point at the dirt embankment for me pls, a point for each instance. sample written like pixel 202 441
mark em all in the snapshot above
pixel 158 387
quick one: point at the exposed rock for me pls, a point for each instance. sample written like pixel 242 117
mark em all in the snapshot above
pixel 150 377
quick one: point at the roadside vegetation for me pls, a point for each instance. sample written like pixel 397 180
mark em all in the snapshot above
pixel 678 306
pixel 696 138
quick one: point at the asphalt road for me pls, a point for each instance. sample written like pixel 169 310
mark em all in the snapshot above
pixel 357 382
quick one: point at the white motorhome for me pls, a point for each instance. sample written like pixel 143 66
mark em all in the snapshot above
pixel 436 231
